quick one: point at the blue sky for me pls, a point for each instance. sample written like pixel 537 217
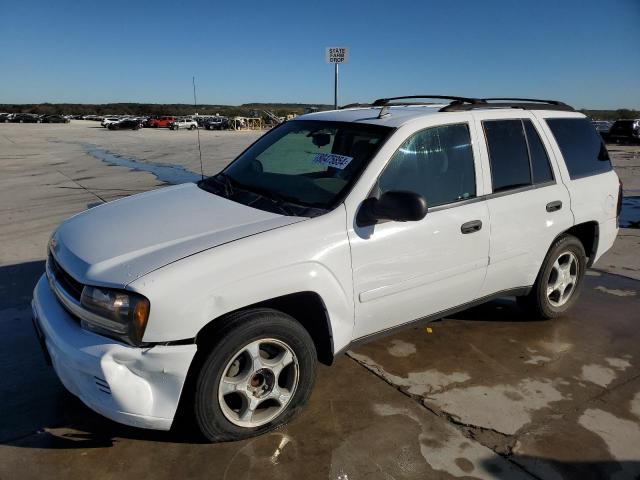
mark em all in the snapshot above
pixel 584 52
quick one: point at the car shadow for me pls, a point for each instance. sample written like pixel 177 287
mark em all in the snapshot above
pixel 499 310
pixel 583 470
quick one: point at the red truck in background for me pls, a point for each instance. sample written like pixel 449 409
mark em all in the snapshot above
pixel 162 121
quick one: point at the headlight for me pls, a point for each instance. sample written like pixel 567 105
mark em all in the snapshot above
pixel 117 313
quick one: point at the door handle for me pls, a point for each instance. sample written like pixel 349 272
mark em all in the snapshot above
pixel 554 206
pixel 472 226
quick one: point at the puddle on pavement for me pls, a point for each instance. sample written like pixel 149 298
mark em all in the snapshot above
pixel 630 214
pixel 165 172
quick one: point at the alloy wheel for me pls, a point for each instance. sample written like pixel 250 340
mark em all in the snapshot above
pixel 258 382
pixel 563 279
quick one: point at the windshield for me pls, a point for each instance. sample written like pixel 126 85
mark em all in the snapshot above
pixel 305 167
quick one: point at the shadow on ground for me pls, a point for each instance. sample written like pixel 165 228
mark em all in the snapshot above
pixel 549 468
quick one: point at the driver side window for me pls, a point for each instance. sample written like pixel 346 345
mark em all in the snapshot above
pixel 436 163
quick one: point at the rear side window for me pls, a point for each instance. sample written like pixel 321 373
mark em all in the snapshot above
pixel 436 163
pixel 508 154
pixel 581 146
pixel 516 154
pixel 540 167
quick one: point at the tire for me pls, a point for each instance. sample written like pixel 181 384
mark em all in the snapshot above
pixel 544 301
pixel 192 127
pixel 221 409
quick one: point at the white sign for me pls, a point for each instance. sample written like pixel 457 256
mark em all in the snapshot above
pixel 332 160
pixel 336 55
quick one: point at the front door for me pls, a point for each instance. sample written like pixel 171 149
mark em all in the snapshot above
pixel 404 271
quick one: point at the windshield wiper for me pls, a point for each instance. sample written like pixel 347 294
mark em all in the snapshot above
pixel 231 185
pixel 223 180
pixel 275 197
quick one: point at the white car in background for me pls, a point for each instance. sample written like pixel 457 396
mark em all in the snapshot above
pixel 329 230
pixel 183 123
pixel 109 120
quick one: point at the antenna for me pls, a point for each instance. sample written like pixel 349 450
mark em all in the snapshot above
pixel 195 106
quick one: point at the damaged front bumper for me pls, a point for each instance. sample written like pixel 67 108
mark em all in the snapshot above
pixel 135 386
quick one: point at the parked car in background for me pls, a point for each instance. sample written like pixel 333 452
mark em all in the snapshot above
pixel 25 118
pixel 162 121
pixel 183 123
pixel 126 124
pixel 625 131
pixel 331 229
pixel 109 120
pixel 5 117
pixel 54 119
pixel 217 123
pixel 602 127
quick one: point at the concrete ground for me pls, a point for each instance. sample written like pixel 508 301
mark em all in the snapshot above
pixel 483 394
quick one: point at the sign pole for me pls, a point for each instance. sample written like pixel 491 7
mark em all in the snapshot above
pixel 335 88
pixel 336 55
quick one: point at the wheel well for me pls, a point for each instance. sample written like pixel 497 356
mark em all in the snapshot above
pixel 306 307
pixel 587 233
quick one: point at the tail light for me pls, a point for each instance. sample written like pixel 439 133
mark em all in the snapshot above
pixel 619 209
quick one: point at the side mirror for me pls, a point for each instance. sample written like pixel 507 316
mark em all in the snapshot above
pixel 399 206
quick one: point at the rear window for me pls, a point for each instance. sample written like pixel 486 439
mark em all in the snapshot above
pixel 581 146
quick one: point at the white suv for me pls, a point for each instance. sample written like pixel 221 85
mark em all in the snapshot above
pixel 109 121
pixel 328 230
pixel 188 123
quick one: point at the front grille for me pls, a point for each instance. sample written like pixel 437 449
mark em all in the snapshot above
pixel 66 281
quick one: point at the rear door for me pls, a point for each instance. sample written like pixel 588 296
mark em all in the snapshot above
pixel 528 203
pixel 587 173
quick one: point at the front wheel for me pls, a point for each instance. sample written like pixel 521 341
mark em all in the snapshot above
pixel 559 281
pixel 255 377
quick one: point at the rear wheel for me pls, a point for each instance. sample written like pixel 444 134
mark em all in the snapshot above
pixel 559 281
pixel 255 377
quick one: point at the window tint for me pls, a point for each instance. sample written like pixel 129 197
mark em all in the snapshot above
pixel 507 154
pixel 539 159
pixel 437 163
pixel 581 146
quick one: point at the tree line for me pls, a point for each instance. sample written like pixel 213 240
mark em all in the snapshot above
pixel 247 109
pixel 140 109
pixel 611 114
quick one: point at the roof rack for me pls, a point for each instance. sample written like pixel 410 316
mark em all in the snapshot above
pixel 385 103
pixel 459 104
pixel 354 105
pixel 522 103
pixel 381 102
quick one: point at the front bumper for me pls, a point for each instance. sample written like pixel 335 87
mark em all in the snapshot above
pixel 135 386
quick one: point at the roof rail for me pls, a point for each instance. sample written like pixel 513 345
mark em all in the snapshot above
pixel 354 105
pixel 523 103
pixel 381 102
pixel 458 104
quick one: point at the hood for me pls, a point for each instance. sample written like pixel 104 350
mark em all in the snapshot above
pixel 116 243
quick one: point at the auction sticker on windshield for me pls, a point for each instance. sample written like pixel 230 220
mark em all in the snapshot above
pixel 332 160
